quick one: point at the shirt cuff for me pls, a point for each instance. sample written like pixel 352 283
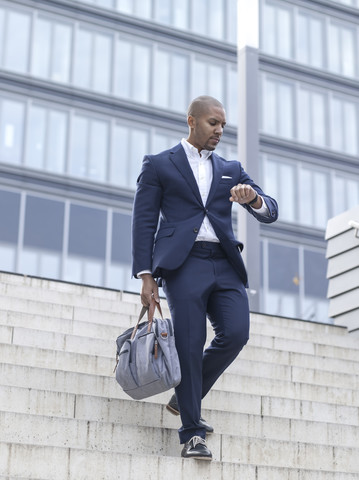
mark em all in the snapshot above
pixel 142 272
pixel 263 210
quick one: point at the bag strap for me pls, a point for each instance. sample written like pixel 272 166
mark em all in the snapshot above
pixel 150 313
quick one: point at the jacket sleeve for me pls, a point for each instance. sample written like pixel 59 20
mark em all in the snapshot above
pixel 146 210
pixel 270 202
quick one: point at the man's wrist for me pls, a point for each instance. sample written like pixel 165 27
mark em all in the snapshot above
pixel 252 202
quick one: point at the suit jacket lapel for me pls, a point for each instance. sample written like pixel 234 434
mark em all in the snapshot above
pixel 217 175
pixel 179 159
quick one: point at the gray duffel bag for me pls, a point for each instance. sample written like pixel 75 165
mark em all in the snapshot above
pixel 147 360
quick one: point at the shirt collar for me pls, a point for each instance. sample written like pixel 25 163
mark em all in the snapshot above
pixel 193 152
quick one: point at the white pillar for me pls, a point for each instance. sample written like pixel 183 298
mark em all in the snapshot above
pixel 248 135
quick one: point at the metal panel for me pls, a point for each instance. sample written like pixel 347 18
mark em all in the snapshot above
pixel 344 283
pixel 344 303
pixel 342 243
pixel 343 263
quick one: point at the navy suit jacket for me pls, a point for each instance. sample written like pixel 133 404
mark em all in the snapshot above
pixel 168 211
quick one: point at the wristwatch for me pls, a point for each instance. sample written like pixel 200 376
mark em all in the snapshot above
pixel 252 202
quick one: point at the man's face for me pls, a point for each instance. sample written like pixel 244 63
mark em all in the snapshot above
pixel 206 129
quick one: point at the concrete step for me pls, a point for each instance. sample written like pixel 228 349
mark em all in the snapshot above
pixel 255 353
pixel 28 461
pixel 110 437
pixel 88 310
pixel 234 398
pixel 56 358
pixel 318 430
pixel 122 322
pixel 107 348
pixel 239 382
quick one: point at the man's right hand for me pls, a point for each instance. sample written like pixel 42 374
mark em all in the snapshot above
pixel 149 290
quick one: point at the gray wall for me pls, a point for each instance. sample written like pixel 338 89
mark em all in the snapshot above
pixel 343 269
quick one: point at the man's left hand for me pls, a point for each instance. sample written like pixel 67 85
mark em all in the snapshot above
pixel 243 193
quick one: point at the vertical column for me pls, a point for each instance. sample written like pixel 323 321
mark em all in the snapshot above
pixel 248 135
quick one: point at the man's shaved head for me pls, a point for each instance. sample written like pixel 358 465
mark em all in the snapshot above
pixel 200 105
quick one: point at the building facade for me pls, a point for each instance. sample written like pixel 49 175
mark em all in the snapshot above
pixel 88 87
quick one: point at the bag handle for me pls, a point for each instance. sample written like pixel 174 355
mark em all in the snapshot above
pixel 150 312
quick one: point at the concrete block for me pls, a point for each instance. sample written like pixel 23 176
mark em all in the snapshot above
pixel 6 334
pixel 56 360
pixel 36 402
pixel 35 307
pixel 320 377
pixel 34 462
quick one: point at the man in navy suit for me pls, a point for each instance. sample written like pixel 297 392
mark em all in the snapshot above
pixel 182 234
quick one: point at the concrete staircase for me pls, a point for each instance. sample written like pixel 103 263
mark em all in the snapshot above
pixel 287 409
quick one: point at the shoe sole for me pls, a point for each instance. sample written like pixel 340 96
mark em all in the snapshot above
pixel 172 410
pixel 208 459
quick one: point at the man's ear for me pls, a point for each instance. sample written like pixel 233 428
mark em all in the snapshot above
pixel 191 121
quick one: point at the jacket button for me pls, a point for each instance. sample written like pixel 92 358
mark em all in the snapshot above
pixel 195 230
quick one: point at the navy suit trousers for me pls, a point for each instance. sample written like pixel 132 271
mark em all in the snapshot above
pixel 206 285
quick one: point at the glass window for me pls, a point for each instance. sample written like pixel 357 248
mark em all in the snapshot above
pixel 181 14
pixel 313 194
pixel 44 264
pixel 132 71
pixel 311 117
pixel 162 75
pixel 7 258
pixel 41 52
pixel 277 116
pixel 82 59
pixel 342 50
pixel 120 156
pixel 216 18
pixel 121 238
pixel 141 73
pixel 79 146
pixel 17 41
pixel 198 16
pixel 170 80
pixel 344 126
pixel 139 147
pixel 89 148
pixel 9 216
pixel 84 270
pixel 51 50
pixel 232 96
pixel 279 182
pixel 163 11
pixel 101 68
pixel 315 270
pixel 62 39
pixel 232 21
pixel 143 8
pixel 57 141
pixel 346 193
pixel 36 137
pixel 125 6
pixel 87 235
pixel 98 150
pixel 11 130
pixel 122 87
pixel 283 268
pixel 44 223
pixel 277 30
pixel 2 34
pixel 309 44
pixel 92 60
pixel 207 79
pixel 46 139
